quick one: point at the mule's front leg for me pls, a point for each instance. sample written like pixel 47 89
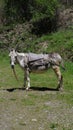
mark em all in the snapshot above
pixel 28 79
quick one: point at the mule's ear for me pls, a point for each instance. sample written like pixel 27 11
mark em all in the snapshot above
pixel 15 54
pixel 9 49
pixel 16 47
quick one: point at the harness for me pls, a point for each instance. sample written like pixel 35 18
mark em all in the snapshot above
pixel 34 64
pixel 38 63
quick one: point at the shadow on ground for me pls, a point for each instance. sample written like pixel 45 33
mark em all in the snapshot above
pixel 32 88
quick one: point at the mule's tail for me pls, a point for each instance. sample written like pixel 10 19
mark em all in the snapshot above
pixel 62 65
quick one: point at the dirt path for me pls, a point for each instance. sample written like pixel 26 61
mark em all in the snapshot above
pixel 34 110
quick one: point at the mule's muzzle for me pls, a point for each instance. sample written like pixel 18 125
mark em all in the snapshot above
pixel 12 66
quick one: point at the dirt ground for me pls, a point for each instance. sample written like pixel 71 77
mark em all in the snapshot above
pixel 34 110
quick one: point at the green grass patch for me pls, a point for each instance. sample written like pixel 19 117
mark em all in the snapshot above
pixel 47 79
pixel 38 81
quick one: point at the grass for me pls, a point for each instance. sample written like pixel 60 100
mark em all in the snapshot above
pixel 6 74
pixel 38 81
pixel 52 108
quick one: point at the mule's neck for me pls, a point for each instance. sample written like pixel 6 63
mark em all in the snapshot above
pixel 21 59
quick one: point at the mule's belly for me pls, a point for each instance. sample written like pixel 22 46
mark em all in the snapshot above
pixel 40 69
pixel 39 72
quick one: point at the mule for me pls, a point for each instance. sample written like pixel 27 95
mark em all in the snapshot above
pixel 31 62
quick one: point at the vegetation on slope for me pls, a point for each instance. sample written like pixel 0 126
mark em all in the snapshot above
pixel 60 41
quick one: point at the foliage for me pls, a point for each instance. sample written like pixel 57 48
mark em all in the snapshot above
pixel 17 10
pixel 44 16
pixel 33 9
pixel 43 9
pixel 2 11
pixel 38 11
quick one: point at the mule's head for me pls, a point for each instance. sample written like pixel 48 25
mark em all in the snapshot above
pixel 12 56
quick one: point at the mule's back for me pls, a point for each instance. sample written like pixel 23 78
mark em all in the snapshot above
pixel 38 61
pixel 34 56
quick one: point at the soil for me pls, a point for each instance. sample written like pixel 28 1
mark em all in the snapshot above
pixel 34 110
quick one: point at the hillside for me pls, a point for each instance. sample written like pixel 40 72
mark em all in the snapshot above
pixel 41 33
pixel 60 41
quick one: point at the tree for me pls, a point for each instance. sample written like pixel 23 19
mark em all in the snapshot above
pixel 17 10
pixel 67 2
pixel 41 13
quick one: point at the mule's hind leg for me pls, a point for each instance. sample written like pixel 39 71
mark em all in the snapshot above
pixel 60 77
pixel 28 78
pixel 25 79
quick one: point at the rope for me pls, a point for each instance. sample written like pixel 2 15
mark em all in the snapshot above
pixel 15 74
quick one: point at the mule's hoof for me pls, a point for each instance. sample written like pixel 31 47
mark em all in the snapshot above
pixel 59 89
pixel 27 89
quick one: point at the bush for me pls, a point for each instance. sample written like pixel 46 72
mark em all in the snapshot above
pixel 44 16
